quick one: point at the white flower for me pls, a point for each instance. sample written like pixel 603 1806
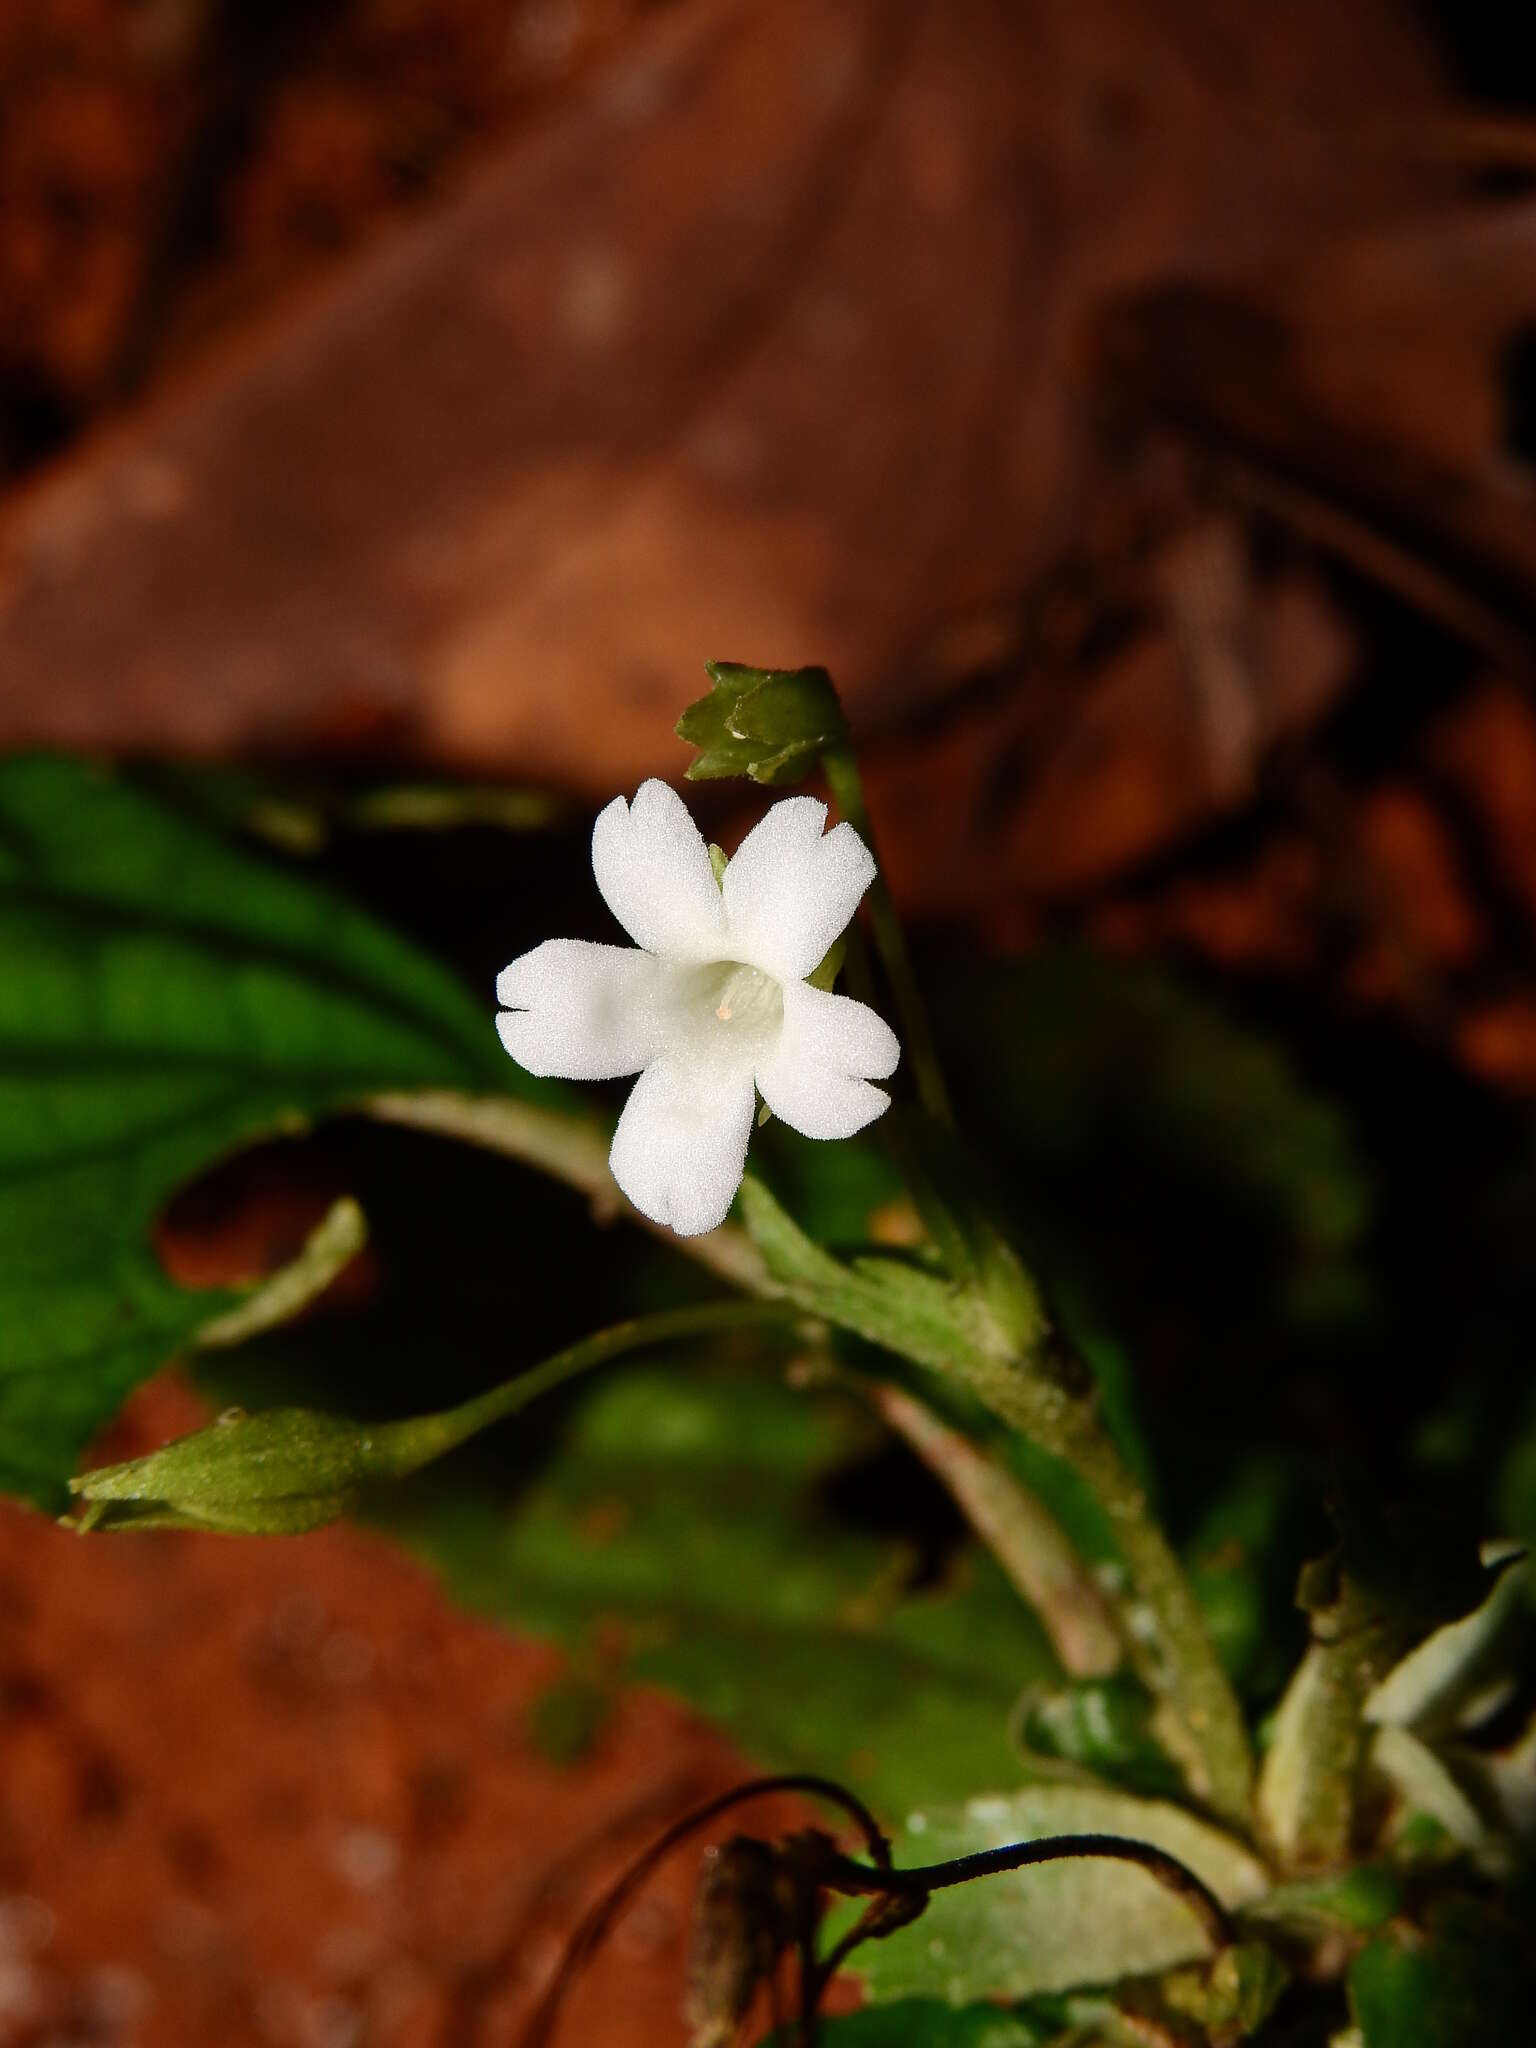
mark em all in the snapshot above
pixel 710 1001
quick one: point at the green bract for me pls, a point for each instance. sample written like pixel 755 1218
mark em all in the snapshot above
pixel 251 1475
pixel 768 723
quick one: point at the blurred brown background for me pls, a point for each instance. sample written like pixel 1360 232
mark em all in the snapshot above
pixel 1134 405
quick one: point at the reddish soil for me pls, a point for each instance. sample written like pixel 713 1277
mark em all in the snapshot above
pixel 282 1793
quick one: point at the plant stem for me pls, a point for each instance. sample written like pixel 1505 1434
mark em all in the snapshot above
pixel 398 1448
pixel 1020 1371
pixel 844 1875
pixel 1017 1528
pixel 1164 1627
pixel 846 785
pixel 569 1149
pixel 1201 1723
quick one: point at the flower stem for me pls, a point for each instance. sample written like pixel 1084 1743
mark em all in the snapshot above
pixel 1200 1721
pixel 398 1448
pixel 1020 1369
pixel 569 1149
pixel 777 1264
pixel 847 787
pixel 1016 1527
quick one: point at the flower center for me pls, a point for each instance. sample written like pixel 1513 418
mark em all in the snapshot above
pixel 731 1008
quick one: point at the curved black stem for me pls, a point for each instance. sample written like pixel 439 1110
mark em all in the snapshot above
pixel 896 1896
pixel 844 1875
pixel 596 1922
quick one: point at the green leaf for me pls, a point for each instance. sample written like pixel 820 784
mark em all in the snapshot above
pixel 1164 1155
pixel 1237 1562
pixel 1468 1983
pixel 1103 1725
pixel 690 1517
pixel 1358 1900
pixel 1425 1789
pixel 165 996
pixel 1387 1584
pixel 1056 1925
pixel 1458 1662
pixel 926 2023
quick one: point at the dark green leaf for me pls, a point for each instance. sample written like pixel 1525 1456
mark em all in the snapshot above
pixel 164 997
pixel 692 1518
pixel 1468 1983
pixel 1104 1725
pixel 926 2023
pixel 1162 1155
pixel 1239 1565
pixel 1361 1899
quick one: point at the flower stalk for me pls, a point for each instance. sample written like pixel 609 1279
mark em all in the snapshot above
pixel 288 1470
pixel 407 1446
pixel 1000 1345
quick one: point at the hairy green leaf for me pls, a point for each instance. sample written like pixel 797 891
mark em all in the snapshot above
pixel 164 997
pixel 1056 1925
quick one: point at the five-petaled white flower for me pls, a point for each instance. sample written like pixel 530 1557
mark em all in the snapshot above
pixel 711 1001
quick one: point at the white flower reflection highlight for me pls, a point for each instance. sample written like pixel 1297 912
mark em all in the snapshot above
pixel 711 1001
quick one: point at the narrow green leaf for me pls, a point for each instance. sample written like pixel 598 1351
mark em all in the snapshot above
pixel 1388 1585
pixel 1427 1689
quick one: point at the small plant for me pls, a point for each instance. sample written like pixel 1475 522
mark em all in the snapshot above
pixel 1069 1715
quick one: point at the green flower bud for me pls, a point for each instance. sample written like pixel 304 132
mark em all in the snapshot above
pixel 277 1473
pixel 769 723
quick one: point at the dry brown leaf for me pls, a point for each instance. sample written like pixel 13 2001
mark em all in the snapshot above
pixel 763 348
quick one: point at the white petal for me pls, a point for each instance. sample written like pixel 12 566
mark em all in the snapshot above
pixel 788 891
pixel 817 1079
pixel 581 1011
pixel 653 868
pixel 681 1146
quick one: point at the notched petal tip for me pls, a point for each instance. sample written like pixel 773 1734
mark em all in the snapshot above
pixel 792 887
pixel 819 1078
pixel 577 1011
pixel 680 1148
pixel 653 871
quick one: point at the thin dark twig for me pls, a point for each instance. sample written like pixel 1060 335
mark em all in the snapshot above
pixel 480 1984
pixel 875 1921
pixel 595 1924
pixel 812 1984
pixel 844 1875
